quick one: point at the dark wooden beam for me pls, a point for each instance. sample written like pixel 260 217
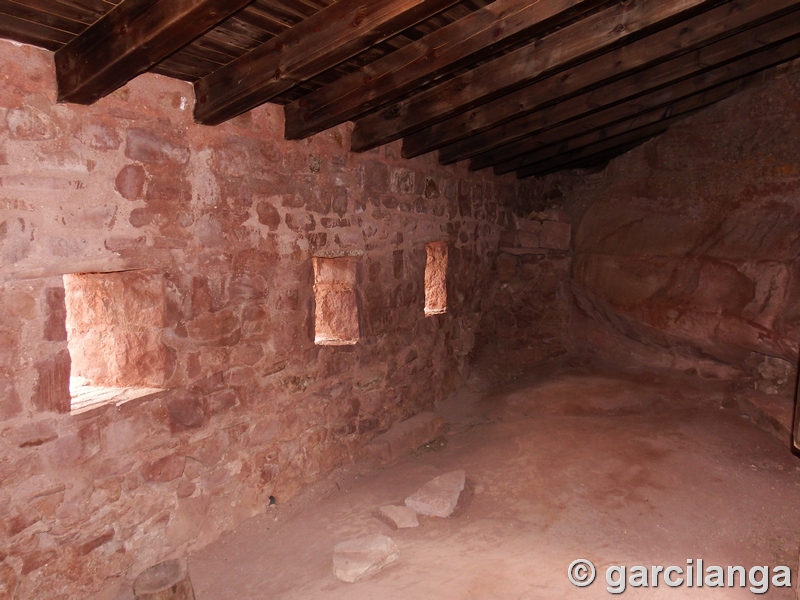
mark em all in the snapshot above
pixel 589 153
pixel 621 137
pixel 596 163
pixel 721 22
pixel 503 158
pixel 314 45
pixel 673 76
pixel 670 112
pixel 128 40
pixel 580 41
pixel 470 39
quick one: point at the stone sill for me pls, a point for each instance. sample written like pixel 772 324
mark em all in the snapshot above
pixel 320 341
pixel 86 397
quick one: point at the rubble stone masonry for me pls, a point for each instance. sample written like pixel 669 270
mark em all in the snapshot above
pixel 223 222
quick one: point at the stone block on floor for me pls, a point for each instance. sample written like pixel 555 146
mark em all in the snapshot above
pixel 399 517
pixel 438 497
pixel 361 557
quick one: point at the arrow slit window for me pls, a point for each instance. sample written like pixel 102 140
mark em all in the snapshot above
pixel 436 278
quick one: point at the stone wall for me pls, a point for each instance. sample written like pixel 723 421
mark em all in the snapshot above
pixel 228 220
pixel 530 319
pixel 686 248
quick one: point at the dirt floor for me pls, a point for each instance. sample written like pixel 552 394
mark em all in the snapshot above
pixel 632 469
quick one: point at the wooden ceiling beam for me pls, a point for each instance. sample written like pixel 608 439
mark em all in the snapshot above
pixel 316 44
pixel 679 109
pixel 599 145
pixel 718 23
pixel 128 40
pixel 585 39
pixel 625 105
pixel 589 153
pixel 595 162
pixel 472 38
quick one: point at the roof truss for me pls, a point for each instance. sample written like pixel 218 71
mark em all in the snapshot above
pixel 524 86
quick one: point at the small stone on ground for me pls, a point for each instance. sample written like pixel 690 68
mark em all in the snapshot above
pixel 438 497
pixel 361 557
pixel 399 517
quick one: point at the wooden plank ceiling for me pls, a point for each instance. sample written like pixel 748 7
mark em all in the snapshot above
pixel 525 86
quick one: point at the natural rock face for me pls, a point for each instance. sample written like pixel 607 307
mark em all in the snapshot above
pixel 686 248
pixel 204 238
pixel 438 497
pixel 362 557
pixel 399 517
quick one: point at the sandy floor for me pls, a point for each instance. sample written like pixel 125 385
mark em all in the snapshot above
pixel 634 469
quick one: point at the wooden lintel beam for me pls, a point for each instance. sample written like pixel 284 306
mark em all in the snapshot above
pixel 316 44
pixel 507 158
pixel 586 38
pixel 704 29
pixel 128 40
pixel 469 39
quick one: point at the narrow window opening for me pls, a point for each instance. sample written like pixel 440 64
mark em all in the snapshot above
pixel 336 312
pixel 436 279
pixel 115 327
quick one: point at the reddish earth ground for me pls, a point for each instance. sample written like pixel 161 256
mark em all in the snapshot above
pixel 635 468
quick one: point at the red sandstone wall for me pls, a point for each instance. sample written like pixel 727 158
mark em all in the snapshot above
pixel 231 217
pixel 689 244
